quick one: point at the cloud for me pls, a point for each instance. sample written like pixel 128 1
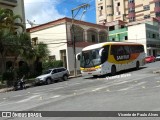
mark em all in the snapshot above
pixel 42 11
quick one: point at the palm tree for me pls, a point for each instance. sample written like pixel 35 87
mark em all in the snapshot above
pixel 9 20
pixel 42 53
pixel 9 38
pixel 5 39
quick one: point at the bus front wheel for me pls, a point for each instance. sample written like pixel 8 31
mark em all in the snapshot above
pixel 113 70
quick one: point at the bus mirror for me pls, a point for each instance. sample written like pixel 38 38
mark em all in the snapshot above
pixel 100 52
pixel 78 56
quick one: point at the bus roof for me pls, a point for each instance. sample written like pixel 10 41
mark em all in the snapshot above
pixel 99 45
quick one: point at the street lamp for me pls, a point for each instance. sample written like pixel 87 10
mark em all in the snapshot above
pixel 84 6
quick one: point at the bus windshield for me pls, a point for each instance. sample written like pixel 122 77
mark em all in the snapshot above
pixel 90 58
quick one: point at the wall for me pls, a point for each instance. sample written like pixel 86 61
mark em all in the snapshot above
pixel 54 37
pixel 71 59
pixel 137 33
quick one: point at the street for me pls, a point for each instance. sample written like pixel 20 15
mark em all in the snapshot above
pixel 131 90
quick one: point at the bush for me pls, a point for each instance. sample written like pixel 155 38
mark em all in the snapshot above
pixel 52 64
pixel 23 70
pixel 8 77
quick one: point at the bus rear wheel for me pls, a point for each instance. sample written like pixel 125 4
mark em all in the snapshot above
pixel 113 70
pixel 137 65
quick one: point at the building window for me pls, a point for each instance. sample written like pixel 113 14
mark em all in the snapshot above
pixel 153 36
pixel 157 4
pixel 53 57
pixel 118 13
pixel 109 6
pixel 100 8
pixel 126 37
pixel 131 19
pixel 35 41
pixel 109 14
pixel 130 10
pixel 113 39
pixel 131 1
pixel 146 7
pixel 118 4
pixel 93 38
pixel 157 14
pixel 146 16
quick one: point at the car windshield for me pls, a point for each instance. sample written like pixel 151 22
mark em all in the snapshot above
pixel 90 58
pixel 47 71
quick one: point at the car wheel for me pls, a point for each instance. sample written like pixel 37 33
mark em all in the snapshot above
pixel 48 81
pixel 65 77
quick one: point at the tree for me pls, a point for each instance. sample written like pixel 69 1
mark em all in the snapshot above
pixel 5 39
pixel 9 20
pixel 42 53
pixel 12 42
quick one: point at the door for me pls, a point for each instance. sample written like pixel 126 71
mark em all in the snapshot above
pixel 54 74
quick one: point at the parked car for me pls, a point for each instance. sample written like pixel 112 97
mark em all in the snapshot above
pixel 52 75
pixel 158 58
pixel 150 59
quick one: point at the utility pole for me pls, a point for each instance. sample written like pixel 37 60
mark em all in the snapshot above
pixel 83 6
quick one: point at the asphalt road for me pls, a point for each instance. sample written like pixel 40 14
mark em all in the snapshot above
pixel 128 91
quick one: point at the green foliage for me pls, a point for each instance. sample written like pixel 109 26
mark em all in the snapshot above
pixel 41 50
pixel 52 64
pixel 8 77
pixel 23 70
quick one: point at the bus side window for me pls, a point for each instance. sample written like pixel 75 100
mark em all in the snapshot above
pixel 113 50
pixel 132 49
pixel 104 56
pixel 120 50
pixel 127 49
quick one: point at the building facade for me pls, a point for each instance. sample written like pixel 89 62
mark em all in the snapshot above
pixel 58 36
pixel 17 6
pixel 146 33
pixel 126 10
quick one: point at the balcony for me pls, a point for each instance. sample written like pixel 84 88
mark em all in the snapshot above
pixel 9 2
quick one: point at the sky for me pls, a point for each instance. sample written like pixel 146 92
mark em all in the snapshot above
pixel 43 11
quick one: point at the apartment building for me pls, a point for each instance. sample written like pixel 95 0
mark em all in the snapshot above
pixel 126 10
pixel 16 5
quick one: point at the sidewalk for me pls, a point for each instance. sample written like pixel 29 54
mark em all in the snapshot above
pixel 30 85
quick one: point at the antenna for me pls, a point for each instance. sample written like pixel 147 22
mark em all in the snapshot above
pixel 31 23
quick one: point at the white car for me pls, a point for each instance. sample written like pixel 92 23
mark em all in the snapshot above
pixel 52 75
pixel 158 58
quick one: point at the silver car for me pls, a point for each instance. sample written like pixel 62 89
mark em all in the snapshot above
pixel 52 75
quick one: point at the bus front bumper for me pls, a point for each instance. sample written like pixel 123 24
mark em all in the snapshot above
pixel 96 72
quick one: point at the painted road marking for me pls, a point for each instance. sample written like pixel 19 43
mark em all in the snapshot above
pixel 56 96
pixel 132 86
pixel 27 99
pixel 97 89
pixel 158 86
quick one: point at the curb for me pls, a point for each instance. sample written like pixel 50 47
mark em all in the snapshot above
pixel 3 90
pixel 156 71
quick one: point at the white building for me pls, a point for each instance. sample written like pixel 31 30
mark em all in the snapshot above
pixel 147 34
pixel 57 35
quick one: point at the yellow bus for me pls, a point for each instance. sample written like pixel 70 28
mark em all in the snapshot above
pixel 110 57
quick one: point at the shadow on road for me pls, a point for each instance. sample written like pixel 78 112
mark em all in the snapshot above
pixel 118 73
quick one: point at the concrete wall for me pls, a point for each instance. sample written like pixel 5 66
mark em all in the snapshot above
pixel 137 33
pixel 54 37
pixel 71 59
